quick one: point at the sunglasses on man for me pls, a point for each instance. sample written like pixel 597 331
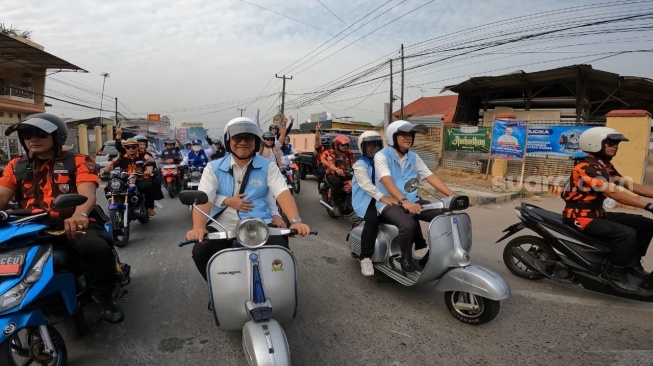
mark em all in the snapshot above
pixel 611 143
pixel 131 147
pixel 29 133
pixel 243 137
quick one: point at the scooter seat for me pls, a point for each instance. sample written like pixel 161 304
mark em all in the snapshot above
pixel 556 220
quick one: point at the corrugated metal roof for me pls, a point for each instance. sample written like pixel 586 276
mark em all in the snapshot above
pixel 18 53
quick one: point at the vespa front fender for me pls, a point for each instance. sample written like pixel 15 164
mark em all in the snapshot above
pixel 475 280
pixel 13 322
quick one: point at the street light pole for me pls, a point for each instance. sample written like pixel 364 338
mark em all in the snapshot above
pixel 105 75
pixel 241 111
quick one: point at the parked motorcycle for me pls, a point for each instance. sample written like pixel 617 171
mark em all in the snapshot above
pixel 192 179
pixel 172 177
pixel 42 283
pixel 126 204
pixel 326 191
pixel 290 170
pixel 472 293
pixel 252 287
pixel 562 254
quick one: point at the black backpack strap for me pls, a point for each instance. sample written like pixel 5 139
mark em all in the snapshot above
pixel 69 165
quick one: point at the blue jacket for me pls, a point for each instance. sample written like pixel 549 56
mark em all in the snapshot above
pixel 399 176
pixel 256 189
pixel 360 199
pixel 197 160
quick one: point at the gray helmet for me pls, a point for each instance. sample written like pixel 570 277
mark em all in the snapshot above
pixel 268 135
pixel 46 122
pixel 241 125
pixel 274 125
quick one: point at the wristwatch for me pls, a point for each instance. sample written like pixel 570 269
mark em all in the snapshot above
pixel 401 201
pixel 296 220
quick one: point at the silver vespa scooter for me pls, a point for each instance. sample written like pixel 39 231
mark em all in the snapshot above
pixel 472 293
pixel 252 287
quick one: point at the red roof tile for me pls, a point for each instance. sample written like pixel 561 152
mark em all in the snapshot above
pixel 429 106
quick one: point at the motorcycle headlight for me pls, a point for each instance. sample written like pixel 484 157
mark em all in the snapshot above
pixel 16 294
pixel 117 185
pixel 252 232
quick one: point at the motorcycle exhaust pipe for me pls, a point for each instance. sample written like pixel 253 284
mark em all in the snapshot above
pixel 529 261
pixel 326 205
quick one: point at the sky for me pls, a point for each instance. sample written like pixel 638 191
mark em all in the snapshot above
pixel 200 61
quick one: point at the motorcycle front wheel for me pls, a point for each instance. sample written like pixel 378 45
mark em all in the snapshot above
pixel 120 233
pixel 24 347
pixel 172 190
pixel 533 246
pixel 297 182
pixel 470 308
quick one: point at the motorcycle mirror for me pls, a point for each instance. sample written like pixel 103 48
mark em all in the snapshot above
pixel 68 200
pixel 193 197
pixel 124 175
pixel 411 185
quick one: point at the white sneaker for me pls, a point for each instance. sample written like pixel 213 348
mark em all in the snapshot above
pixel 157 204
pixel 367 269
pixel 420 253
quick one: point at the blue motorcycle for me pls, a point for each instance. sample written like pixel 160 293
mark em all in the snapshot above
pixel 126 204
pixel 42 283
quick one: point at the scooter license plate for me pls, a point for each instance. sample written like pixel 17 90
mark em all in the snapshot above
pixel 171 166
pixel 11 264
pixel 193 184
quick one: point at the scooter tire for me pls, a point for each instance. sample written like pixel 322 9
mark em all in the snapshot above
pixel 297 182
pixel 119 241
pixel 543 251
pixel 144 219
pixel 172 190
pixel 6 350
pixel 489 309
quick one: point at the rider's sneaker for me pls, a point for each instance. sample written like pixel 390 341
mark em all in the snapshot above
pixel 151 212
pixel 407 265
pixel 367 269
pixel 420 253
pixel 617 278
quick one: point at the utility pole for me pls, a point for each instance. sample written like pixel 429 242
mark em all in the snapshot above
pixel 402 81
pixel 391 95
pixel 241 111
pixel 117 124
pixel 105 75
pixel 283 92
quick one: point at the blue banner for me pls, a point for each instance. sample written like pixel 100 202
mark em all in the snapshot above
pixel 558 140
pixel 508 139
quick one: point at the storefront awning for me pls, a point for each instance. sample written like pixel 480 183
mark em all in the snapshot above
pixel 15 53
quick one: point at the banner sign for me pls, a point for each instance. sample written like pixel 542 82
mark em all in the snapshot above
pixel 470 139
pixel 509 139
pixel 558 140
pixel 154 118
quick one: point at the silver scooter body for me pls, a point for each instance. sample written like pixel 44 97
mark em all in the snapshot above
pixel 449 242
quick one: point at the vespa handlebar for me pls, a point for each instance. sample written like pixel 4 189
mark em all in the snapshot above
pixel 225 235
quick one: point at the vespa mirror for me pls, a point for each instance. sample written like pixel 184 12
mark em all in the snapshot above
pixel 411 185
pixel 193 197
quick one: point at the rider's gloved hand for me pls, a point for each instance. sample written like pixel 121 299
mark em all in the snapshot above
pixel 649 207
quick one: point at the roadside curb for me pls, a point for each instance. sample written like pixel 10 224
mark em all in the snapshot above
pixel 490 200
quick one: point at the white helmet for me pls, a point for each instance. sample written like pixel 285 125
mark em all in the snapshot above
pixel 591 141
pixel 241 125
pixel 401 126
pixel 369 137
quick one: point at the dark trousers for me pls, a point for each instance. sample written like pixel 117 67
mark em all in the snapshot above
pixel 335 181
pixel 410 230
pixel 320 177
pixel 147 189
pixel 629 234
pixel 370 230
pixel 96 251
pixel 202 252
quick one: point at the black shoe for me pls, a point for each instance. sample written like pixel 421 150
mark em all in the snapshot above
pixel 109 311
pixel 336 209
pixel 407 265
pixel 617 277
pixel 637 271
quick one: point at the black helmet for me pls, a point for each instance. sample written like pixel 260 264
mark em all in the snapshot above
pixel 168 142
pixel 46 122
pixel 274 125
pixel 268 135
pixel 325 141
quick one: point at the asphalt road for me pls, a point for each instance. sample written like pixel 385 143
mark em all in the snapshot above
pixel 345 318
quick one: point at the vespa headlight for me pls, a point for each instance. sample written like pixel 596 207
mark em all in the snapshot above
pixel 16 294
pixel 252 232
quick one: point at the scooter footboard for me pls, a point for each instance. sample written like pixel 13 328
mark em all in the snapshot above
pixel 11 323
pixel 475 280
pixel 265 344
pixel 231 275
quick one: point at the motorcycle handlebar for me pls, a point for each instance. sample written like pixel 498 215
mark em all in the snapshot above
pixel 194 241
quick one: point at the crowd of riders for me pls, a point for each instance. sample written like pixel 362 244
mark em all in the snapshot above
pixel 242 179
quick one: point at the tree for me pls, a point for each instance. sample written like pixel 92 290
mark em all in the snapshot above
pixel 14 32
